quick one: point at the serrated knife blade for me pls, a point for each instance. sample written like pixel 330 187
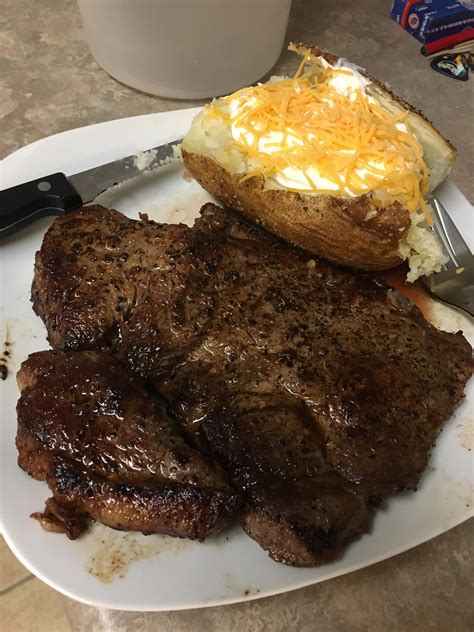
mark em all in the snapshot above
pixel 91 183
pixel 56 193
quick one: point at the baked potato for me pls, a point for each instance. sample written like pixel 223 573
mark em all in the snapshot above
pixel 329 160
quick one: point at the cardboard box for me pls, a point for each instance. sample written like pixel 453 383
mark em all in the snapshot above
pixel 430 20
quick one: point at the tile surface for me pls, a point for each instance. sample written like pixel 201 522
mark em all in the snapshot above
pixel 32 607
pixel 11 570
pixel 50 83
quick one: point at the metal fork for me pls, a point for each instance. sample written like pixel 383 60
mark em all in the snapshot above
pixel 455 283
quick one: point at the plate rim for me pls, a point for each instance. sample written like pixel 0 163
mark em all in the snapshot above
pixel 230 600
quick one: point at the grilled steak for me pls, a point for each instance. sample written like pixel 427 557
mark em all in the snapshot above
pixel 319 390
pixel 86 286
pixel 90 430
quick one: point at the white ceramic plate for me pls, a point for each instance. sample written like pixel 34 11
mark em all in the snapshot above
pixel 154 572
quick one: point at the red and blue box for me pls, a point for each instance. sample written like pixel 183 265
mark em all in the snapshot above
pixel 431 20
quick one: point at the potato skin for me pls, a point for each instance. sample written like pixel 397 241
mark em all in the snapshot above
pixel 334 227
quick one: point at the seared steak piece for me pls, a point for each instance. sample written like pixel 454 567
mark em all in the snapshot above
pixel 319 390
pixel 90 430
pixel 94 268
pixel 297 506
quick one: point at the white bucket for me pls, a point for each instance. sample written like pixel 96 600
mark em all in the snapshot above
pixel 186 49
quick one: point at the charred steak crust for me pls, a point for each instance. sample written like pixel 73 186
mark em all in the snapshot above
pixel 87 427
pixel 319 390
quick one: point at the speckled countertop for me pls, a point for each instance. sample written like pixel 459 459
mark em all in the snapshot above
pixel 50 83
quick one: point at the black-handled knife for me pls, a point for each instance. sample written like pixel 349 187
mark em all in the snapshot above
pixel 56 193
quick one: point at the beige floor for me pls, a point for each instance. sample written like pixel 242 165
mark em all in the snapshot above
pixel 26 603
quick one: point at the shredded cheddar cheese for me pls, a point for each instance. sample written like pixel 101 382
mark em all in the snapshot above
pixel 343 143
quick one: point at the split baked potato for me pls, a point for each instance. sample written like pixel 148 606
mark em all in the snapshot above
pixel 363 162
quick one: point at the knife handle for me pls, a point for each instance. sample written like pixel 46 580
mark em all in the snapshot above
pixel 25 203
